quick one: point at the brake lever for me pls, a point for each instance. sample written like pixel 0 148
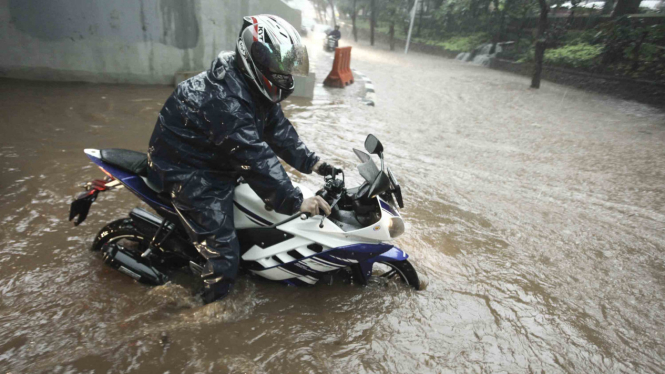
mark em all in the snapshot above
pixel 331 208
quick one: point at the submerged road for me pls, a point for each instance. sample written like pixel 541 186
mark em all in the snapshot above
pixel 536 217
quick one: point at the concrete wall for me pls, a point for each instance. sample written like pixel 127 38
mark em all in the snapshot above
pixel 124 41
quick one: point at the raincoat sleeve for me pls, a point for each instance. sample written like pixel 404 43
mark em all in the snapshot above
pixel 234 132
pixel 284 140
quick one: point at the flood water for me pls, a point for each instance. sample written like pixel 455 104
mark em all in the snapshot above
pixel 537 219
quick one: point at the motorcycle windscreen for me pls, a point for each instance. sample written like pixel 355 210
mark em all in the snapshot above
pixel 368 170
pixel 287 59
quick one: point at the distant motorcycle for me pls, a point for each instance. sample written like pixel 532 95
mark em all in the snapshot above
pixel 330 43
pixel 296 250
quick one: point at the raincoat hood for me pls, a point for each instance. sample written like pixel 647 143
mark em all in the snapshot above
pixel 224 71
pixel 224 62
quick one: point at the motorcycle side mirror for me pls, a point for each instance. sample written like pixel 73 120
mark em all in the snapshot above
pixel 373 145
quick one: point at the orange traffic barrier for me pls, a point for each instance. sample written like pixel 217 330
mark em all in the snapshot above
pixel 340 75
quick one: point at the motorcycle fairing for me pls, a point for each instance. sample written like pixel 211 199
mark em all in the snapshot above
pixel 250 210
pixel 309 269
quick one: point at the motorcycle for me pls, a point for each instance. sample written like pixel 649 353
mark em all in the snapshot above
pixel 330 43
pixel 296 250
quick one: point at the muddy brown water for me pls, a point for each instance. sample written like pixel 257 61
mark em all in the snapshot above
pixel 536 217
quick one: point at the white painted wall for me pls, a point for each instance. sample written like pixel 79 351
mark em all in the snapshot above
pixel 123 41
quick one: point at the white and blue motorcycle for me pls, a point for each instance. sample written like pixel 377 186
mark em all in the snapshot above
pixel 296 250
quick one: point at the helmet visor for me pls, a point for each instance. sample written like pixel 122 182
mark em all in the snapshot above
pixel 287 59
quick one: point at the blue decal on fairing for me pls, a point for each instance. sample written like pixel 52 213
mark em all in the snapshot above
pixel 365 255
pixel 394 254
pixel 385 206
pixel 361 253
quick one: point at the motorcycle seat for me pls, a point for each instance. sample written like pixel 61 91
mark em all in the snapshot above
pixel 130 161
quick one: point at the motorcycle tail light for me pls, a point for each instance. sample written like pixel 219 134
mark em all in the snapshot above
pixel 106 172
pixel 396 227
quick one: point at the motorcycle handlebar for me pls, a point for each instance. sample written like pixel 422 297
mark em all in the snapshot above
pixel 326 169
pixel 307 215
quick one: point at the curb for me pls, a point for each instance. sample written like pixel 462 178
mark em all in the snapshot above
pixel 369 99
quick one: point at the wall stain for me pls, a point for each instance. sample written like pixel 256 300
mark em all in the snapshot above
pixel 76 19
pixel 179 23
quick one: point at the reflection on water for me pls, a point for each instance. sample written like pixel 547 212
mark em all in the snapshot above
pixel 537 218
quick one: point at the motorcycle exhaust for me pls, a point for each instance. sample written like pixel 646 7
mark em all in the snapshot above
pixel 131 264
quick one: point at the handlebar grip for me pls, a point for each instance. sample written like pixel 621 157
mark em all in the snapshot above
pixel 304 216
pixel 327 169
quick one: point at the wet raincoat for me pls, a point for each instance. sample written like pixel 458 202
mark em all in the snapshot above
pixel 212 130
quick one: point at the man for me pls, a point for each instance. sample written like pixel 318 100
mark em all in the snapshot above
pixel 336 34
pixel 227 123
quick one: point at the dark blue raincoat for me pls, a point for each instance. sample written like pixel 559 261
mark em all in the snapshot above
pixel 212 130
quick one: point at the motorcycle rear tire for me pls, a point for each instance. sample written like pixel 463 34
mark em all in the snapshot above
pixel 116 230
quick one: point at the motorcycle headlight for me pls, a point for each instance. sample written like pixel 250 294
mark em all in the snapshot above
pixel 396 227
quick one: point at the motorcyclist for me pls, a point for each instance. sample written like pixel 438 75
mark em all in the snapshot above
pixel 227 123
pixel 335 34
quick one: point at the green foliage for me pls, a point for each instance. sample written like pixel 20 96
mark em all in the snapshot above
pixel 392 10
pixel 465 43
pixel 574 37
pixel 580 55
pixel 346 6
pixel 621 37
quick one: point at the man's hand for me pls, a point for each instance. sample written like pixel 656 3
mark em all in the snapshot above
pixel 312 205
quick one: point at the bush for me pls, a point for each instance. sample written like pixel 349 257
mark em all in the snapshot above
pixel 581 55
pixel 464 43
pixel 580 37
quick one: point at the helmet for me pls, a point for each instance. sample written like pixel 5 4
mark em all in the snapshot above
pixel 269 52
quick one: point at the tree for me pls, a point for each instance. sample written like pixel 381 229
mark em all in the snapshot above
pixel 393 11
pixel 354 15
pixel 352 7
pixel 624 7
pixel 540 43
pixel 332 7
pixel 420 17
pixel 321 7
pixel 372 21
pixel 573 6
pixel 608 7
pixel 523 10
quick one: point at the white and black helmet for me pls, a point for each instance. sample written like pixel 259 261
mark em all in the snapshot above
pixel 269 52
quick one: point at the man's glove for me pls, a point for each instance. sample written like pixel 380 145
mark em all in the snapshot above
pixel 312 205
pixel 327 169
